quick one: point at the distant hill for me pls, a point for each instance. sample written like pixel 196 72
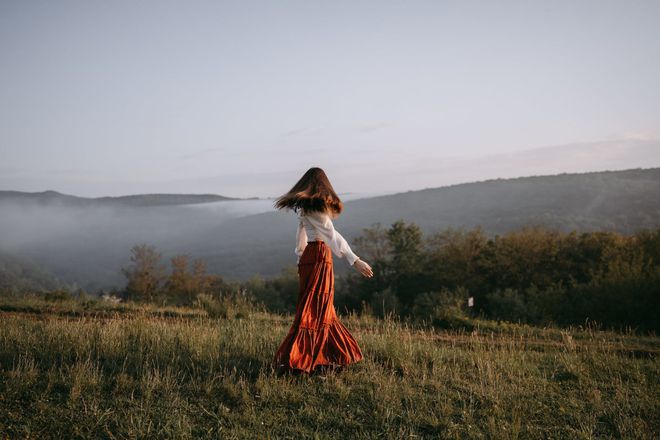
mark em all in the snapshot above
pixel 18 275
pixel 56 198
pixel 90 245
pixel 624 201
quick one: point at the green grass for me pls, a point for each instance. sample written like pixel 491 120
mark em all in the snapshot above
pixel 87 370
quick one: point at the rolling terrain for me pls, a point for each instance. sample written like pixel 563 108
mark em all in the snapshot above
pixel 623 201
pixel 89 369
pixel 88 242
pixel 55 198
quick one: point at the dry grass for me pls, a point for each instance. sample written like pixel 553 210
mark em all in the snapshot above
pixel 95 371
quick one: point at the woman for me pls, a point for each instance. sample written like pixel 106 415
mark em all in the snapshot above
pixel 317 338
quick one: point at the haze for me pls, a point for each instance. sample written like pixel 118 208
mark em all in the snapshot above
pixel 240 98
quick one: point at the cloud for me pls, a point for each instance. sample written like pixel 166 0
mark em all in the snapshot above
pixel 302 131
pixel 367 128
pixel 568 158
pixel 634 136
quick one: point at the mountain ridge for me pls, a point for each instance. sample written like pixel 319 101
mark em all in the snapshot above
pixel 618 200
pixel 134 200
pixel 96 243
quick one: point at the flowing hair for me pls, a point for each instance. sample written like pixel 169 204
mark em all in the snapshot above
pixel 313 192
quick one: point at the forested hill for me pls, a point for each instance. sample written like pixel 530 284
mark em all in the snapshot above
pixel 19 275
pixel 80 243
pixel 623 201
pixel 57 198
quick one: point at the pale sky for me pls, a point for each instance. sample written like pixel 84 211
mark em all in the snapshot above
pixel 240 98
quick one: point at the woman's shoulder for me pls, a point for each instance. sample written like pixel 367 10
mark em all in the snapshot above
pixel 314 215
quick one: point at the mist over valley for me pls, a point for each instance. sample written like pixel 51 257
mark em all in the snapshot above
pixel 85 242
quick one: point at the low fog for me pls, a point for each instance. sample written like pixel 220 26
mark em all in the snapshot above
pixel 99 239
pixel 88 245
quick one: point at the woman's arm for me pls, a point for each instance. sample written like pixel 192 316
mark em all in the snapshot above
pixel 301 239
pixel 332 237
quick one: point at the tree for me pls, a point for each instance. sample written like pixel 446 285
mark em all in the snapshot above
pixel 146 273
pixel 373 244
pixel 374 247
pixel 453 259
pixel 183 285
pixel 405 242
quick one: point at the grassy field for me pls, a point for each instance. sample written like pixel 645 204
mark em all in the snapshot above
pixel 73 370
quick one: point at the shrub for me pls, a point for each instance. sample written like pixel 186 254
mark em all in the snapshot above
pixel 237 306
pixel 508 304
pixel 58 295
pixel 384 303
pixel 445 308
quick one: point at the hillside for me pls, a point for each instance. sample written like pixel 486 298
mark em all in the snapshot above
pixel 57 198
pixel 623 201
pixel 19 275
pixel 94 370
pixel 90 245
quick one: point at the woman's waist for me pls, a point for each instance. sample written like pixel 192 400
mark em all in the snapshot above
pixel 316 250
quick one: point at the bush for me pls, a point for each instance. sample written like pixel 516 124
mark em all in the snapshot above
pixel 237 306
pixel 59 295
pixel 444 309
pixel 508 304
pixel 384 303
pixel 279 294
pixel 534 275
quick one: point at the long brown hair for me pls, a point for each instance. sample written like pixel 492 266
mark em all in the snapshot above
pixel 313 192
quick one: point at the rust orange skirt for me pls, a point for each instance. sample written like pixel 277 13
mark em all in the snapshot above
pixel 317 337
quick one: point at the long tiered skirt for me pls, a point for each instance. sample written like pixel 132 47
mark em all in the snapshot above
pixel 317 337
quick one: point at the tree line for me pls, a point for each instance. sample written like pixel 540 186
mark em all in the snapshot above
pixel 533 275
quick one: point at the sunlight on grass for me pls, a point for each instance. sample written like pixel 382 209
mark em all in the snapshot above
pixel 134 371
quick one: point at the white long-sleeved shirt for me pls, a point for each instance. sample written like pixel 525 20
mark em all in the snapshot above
pixel 318 225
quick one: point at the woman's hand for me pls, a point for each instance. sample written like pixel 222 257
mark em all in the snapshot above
pixel 363 268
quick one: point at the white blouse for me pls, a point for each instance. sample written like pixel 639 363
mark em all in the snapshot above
pixel 318 225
